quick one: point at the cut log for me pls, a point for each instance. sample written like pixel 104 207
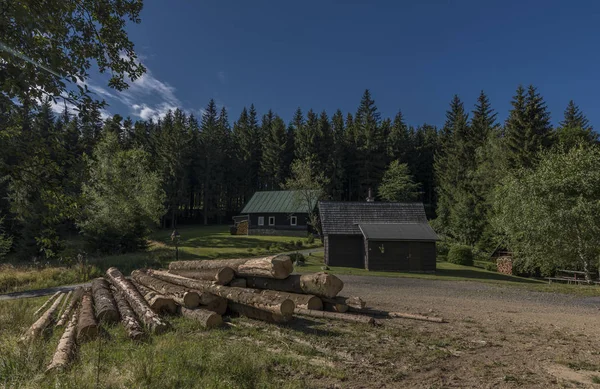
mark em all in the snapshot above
pixel 208 319
pixel 46 304
pixel 66 345
pixel 106 308
pixel 43 322
pixel 376 312
pixel 276 266
pixel 416 317
pixel 87 326
pixel 337 316
pixel 128 319
pixel 181 295
pixel 305 301
pixel 238 283
pixel 319 284
pixel 254 313
pixel 221 276
pixel 150 319
pixel 333 306
pixel 158 302
pixel 280 306
pixel 64 304
pixel 66 315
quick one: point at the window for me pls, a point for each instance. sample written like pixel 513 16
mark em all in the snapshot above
pixel 271 220
pixel 293 221
pixel 261 220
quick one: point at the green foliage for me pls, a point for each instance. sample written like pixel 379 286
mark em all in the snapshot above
pixel 310 239
pixel 461 255
pixel 550 215
pixel 54 42
pixel 123 198
pixel 575 128
pixel 397 184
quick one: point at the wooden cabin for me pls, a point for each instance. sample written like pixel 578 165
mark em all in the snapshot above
pixel 378 236
pixel 282 212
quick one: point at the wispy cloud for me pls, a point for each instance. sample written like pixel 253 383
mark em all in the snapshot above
pixel 222 77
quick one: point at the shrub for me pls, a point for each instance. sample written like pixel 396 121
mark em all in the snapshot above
pixel 310 239
pixel 299 243
pixel 461 255
pixel 298 259
pixel 491 266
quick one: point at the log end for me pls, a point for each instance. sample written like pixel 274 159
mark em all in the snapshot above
pixel 315 303
pixel 191 300
pixel 163 305
pixel 287 307
pixel 282 267
pixel 88 332
pixel 215 320
pixel 224 276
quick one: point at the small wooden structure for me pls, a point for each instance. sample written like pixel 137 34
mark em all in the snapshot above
pixel 283 212
pixel 378 236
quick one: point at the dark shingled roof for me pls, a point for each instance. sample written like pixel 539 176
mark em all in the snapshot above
pixel 407 231
pixel 344 217
pixel 281 201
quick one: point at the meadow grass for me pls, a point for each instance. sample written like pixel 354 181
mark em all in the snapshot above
pixel 196 242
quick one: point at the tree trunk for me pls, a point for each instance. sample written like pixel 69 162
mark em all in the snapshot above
pixel 158 302
pixel 254 313
pixel 319 284
pixel 72 305
pixel 238 283
pixel 87 326
pixel 150 319
pixel 221 276
pixel 334 315
pixel 181 295
pixel 66 346
pixel 305 301
pixel 128 319
pixel 46 304
pixel 277 266
pixel 237 295
pixel 208 319
pixel 106 308
pixel 44 321
pixel 64 304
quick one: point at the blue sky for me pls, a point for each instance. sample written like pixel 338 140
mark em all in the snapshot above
pixel 413 56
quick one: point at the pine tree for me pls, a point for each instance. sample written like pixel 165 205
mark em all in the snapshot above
pixel 307 139
pixel 351 160
pixel 398 142
pixel 338 156
pixel 449 168
pixel 575 128
pixel 369 144
pixel 527 129
pixel 274 148
pixel 397 185
pixel 212 140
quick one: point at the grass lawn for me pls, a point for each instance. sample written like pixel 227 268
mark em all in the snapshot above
pixel 196 242
pixel 451 272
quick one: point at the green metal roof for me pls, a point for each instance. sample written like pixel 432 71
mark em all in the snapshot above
pixel 283 201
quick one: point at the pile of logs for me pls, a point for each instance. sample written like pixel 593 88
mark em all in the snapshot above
pixel 203 290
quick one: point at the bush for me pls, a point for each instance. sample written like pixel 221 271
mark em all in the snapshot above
pixel 490 266
pixel 461 255
pixel 310 239
pixel 299 243
pixel 298 259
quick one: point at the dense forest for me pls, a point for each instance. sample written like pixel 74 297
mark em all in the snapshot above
pixel 485 184
pixel 57 169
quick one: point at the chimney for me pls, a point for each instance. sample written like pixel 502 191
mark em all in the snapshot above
pixel 370 197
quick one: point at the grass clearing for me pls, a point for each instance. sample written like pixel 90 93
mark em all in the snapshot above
pixel 197 242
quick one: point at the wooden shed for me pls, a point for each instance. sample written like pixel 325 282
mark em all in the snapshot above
pixel 283 212
pixel 378 236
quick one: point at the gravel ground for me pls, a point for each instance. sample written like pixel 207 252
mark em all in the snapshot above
pixel 505 336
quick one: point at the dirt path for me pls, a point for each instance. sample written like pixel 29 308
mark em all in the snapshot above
pixel 496 336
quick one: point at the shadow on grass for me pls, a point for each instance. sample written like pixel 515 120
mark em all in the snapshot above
pixel 309 327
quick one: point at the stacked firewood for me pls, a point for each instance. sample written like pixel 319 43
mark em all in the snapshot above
pixel 203 290
pixel 504 265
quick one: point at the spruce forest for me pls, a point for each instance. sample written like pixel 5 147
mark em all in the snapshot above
pixel 113 180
